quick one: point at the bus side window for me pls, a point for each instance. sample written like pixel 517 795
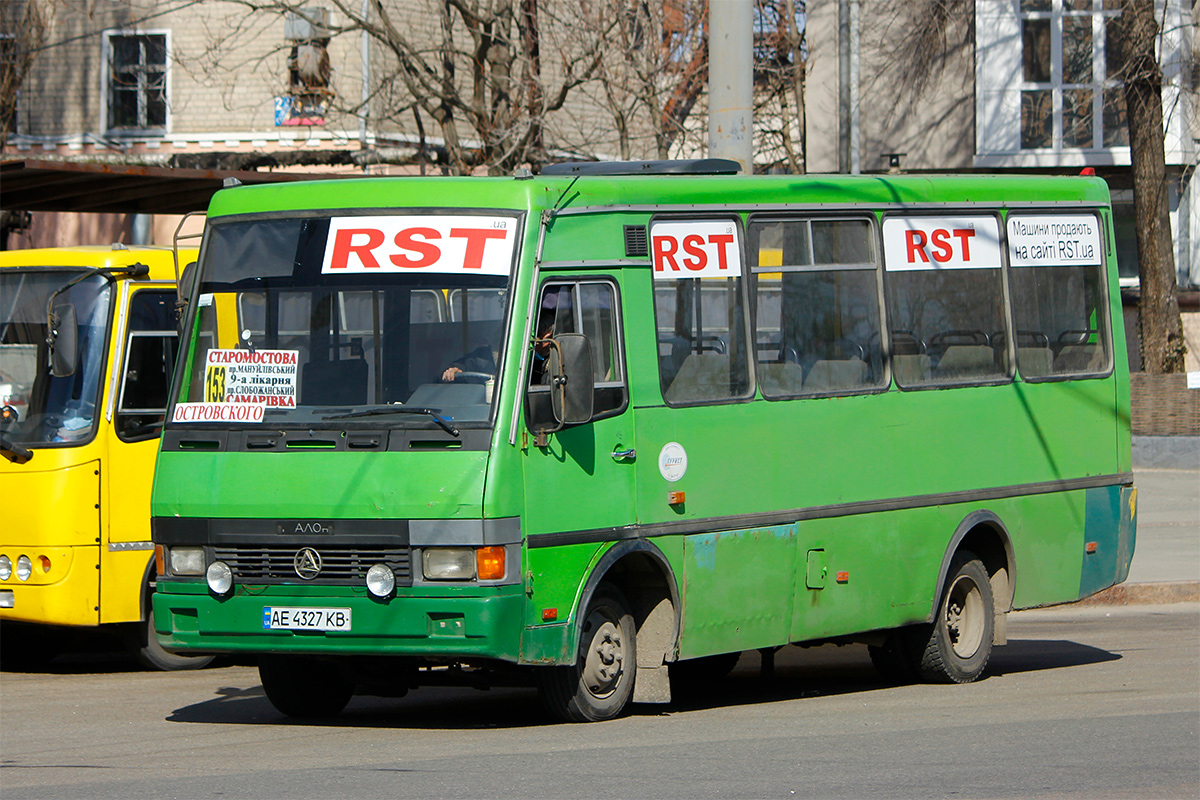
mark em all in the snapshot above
pixel 150 350
pixel 589 307
pixel 701 344
pixel 945 300
pixel 1061 313
pixel 817 306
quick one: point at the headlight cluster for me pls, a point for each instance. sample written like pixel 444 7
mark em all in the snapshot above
pixel 24 568
pixel 463 563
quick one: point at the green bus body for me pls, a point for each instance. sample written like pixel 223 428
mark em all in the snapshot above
pixel 834 515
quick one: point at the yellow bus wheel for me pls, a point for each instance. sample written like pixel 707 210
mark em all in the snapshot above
pixel 144 645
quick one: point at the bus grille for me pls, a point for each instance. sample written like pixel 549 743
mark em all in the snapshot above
pixel 339 565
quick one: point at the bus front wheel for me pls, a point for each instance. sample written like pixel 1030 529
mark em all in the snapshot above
pixel 956 648
pixel 600 682
pixel 304 687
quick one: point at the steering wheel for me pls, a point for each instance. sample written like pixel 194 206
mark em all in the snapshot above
pixel 473 377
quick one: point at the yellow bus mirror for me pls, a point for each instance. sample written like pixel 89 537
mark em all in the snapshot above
pixel 63 339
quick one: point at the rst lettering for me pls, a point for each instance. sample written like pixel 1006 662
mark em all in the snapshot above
pixel 442 244
pixel 938 245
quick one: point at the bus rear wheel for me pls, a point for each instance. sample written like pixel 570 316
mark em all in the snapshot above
pixel 304 687
pixel 956 648
pixel 600 682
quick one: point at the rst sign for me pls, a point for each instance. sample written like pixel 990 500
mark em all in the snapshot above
pixel 921 243
pixel 475 245
pixel 695 249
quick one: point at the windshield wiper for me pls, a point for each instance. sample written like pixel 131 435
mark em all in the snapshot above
pixel 14 452
pixel 442 422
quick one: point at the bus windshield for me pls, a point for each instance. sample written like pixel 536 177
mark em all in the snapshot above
pixel 44 408
pixel 316 322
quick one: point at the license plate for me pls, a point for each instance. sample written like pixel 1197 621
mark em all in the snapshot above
pixel 305 619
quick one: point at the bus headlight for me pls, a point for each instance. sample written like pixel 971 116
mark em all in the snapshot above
pixel 24 568
pixel 381 580
pixel 186 560
pixel 448 563
pixel 220 577
pixel 5 568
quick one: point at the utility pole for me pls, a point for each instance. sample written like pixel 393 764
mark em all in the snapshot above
pixel 731 81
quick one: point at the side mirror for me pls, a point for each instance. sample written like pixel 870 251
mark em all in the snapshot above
pixel 569 366
pixel 183 295
pixel 64 341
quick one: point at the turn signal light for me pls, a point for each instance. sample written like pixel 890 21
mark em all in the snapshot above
pixel 45 563
pixel 489 563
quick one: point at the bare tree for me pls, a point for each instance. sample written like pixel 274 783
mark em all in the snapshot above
pixel 478 72
pixel 779 75
pixel 654 69
pixel 1160 331
pixel 22 33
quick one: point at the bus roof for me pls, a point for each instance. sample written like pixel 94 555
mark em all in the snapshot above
pixel 659 191
pixel 159 259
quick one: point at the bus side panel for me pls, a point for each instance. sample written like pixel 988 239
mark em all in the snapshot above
pixel 1109 532
pixel 1047 533
pixel 122 578
pixel 869 571
pixel 721 612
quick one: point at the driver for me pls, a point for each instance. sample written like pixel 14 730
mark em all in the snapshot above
pixel 481 359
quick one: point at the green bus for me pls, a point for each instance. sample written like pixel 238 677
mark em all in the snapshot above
pixel 609 426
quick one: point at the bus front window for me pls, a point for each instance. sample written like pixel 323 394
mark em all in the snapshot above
pixel 45 408
pixel 277 328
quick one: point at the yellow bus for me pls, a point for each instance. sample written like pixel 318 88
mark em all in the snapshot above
pixel 87 345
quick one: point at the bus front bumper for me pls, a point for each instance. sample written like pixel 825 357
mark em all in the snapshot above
pixel 484 624
pixel 63 587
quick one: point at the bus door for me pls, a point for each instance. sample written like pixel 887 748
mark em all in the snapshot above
pixel 138 388
pixel 580 483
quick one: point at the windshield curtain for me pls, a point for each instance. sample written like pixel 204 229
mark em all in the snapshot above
pixel 278 329
pixel 50 409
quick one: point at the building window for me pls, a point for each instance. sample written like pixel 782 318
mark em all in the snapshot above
pixel 136 91
pixel 1068 99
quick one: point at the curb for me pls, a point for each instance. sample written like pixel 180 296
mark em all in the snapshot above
pixel 1134 593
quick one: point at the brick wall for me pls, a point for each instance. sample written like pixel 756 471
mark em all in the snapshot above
pixel 1164 406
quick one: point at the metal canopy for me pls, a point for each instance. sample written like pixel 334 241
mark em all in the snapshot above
pixel 45 185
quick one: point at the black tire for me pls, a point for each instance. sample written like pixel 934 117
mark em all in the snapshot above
pixel 892 659
pixel 957 646
pixel 599 684
pixel 304 687
pixel 144 645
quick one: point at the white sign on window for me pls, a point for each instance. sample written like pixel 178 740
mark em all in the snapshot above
pixel 928 243
pixel 1036 240
pixel 473 245
pixel 695 249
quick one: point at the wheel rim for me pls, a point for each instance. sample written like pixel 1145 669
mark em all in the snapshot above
pixel 965 617
pixel 604 659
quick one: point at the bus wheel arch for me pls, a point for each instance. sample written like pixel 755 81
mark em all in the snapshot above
pixel 984 534
pixel 636 575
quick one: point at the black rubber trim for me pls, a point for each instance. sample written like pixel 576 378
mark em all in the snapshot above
pixel 742 521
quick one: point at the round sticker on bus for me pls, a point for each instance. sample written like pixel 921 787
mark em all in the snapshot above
pixel 672 461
